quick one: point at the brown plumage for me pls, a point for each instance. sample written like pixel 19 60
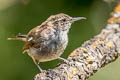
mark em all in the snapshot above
pixel 49 40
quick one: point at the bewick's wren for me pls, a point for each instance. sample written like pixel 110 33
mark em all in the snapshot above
pixel 48 41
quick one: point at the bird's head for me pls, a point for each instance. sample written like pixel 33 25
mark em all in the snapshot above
pixel 62 21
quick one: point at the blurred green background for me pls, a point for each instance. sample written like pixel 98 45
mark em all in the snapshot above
pixel 19 16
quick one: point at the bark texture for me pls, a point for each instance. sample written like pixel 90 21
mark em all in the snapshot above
pixel 91 56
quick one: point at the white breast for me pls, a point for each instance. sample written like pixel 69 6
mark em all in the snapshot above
pixel 64 38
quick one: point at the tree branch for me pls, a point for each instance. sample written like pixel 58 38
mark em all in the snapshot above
pixel 91 56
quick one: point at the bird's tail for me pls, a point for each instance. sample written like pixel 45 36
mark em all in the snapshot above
pixel 20 37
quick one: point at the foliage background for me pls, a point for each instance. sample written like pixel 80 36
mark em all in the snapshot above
pixel 19 16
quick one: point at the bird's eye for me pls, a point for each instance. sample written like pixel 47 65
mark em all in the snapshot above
pixel 64 20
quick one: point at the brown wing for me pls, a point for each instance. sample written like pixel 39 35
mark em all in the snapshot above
pixel 33 37
pixel 27 46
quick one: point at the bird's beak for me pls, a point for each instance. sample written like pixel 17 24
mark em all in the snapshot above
pixel 77 18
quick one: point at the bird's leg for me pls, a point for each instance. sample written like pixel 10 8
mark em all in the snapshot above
pixel 39 67
pixel 37 64
pixel 65 60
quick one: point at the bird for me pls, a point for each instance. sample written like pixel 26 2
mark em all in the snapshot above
pixel 49 40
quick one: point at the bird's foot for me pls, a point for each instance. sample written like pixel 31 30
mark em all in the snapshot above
pixel 65 60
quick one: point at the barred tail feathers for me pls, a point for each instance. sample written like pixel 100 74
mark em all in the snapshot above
pixel 18 37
